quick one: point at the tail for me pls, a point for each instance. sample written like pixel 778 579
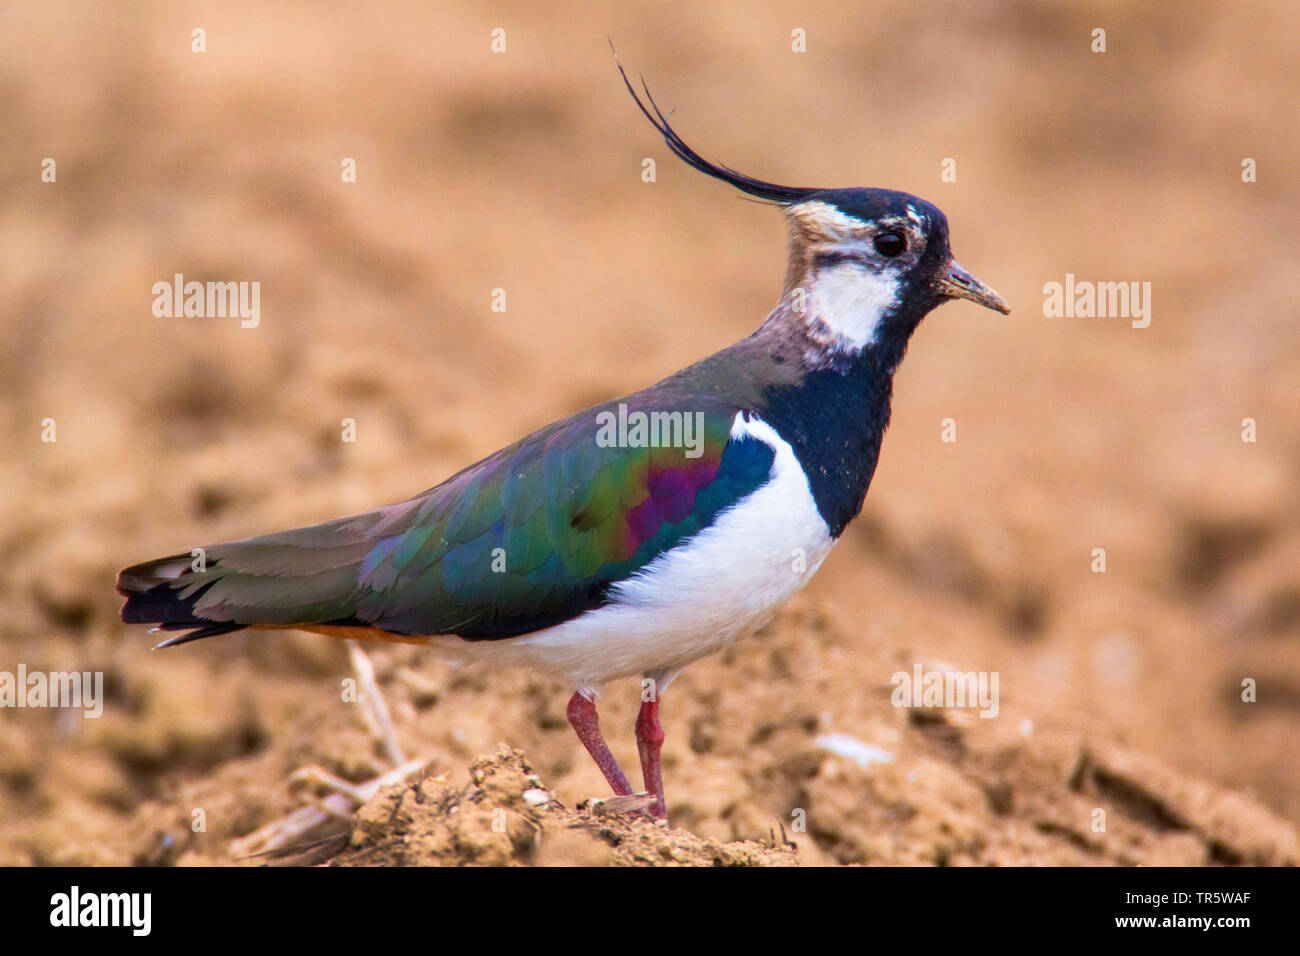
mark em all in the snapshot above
pixel 153 597
pixel 301 578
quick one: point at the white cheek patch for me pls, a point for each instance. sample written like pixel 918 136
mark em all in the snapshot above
pixel 852 300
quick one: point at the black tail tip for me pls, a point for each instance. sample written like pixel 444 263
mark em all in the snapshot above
pixel 155 596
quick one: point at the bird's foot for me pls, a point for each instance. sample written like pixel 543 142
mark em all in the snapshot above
pixel 582 716
pixel 649 744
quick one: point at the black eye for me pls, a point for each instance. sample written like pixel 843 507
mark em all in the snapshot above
pixel 889 244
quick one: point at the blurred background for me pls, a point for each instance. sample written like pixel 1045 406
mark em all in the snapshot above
pixel 521 171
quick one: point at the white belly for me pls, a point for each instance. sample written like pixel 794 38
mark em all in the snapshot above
pixel 721 585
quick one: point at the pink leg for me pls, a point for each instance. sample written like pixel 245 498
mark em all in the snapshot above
pixel 650 741
pixel 582 715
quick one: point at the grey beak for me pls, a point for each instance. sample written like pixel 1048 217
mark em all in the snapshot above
pixel 960 284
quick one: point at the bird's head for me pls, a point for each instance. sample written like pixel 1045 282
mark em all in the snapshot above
pixel 866 265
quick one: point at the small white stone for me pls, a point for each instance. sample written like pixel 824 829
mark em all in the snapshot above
pixel 865 754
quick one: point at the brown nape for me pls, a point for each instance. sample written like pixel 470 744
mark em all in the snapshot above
pixel 791 332
pixel 808 227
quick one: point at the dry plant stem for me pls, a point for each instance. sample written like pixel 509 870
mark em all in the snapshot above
pixel 378 719
pixel 288 829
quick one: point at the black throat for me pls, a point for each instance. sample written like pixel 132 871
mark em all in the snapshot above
pixel 835 417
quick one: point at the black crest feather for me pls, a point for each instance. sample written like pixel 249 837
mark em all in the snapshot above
pixel 771 192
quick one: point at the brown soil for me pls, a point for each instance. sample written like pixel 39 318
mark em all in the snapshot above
pixel 490 821
pixel 1121 692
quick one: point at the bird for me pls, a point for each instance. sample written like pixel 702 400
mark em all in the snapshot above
pixel 637 536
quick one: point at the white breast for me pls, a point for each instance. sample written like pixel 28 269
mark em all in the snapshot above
pixel 721 585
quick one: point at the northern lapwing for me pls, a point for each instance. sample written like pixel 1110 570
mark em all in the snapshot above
pixel 641 534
